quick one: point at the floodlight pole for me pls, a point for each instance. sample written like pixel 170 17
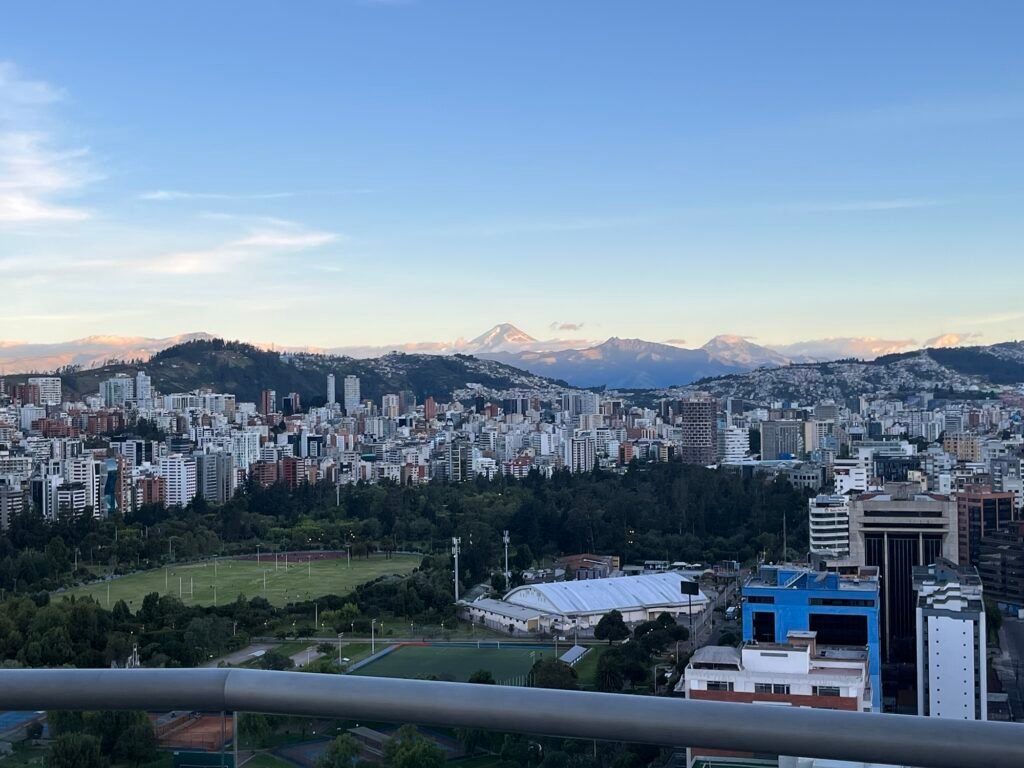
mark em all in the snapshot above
pixel 456 542
pixel 505 539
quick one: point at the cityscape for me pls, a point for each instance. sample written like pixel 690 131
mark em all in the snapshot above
pixel 414 383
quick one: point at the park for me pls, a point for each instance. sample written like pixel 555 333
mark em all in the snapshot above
pixel 281 579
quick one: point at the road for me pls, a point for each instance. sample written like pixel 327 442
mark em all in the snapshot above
pixel 238 657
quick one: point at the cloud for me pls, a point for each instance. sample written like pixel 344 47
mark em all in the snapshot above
pixel 233 254
pixel 952 340
pixel 675 342
pixel 557 326
pixel 838 348
pixel 858 206
pixel 34 174
pixel 174 194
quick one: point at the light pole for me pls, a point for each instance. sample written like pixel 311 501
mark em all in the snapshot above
pixel 505 539
pixel 456 542
pixel 258 554
pixel 340 635
pixel 373 645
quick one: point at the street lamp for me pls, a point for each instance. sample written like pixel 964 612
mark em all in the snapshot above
pixel 373 646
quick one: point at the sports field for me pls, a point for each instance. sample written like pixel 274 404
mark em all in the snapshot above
pixel 509 665
pixel 225 580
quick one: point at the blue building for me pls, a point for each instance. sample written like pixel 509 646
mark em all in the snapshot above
pixel 843 610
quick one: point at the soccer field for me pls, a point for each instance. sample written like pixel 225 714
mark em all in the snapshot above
pixel 508 664
pixel 225 580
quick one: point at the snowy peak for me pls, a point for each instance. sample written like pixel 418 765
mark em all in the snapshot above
pixel 504 337
pixel 741 352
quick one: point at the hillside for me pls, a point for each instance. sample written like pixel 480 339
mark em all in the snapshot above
pixel 244 370
pixel 958 369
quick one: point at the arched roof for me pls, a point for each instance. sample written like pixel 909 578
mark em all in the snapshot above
pixel 601 595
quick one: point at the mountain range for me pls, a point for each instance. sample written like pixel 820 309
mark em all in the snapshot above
pixel 615 362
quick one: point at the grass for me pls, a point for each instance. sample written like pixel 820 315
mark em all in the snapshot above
pixel 455 664
pixel 246 577
pixel 586 668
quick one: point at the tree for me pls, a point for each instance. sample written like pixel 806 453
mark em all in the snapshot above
pixel 75 750
pixel 408 749
pixel 65 721
pixel 340 753
pixel 552 673
pixel 254 728
pixel 137 743
pixel 482 676
pixel 34 732
pixel 610 677
pixel 611 627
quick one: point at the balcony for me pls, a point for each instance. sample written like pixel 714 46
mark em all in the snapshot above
pixel 894 739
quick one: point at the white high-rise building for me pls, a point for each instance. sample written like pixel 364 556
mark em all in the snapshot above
pixel 830 526
pixel 245 446
pixel 49 389
pixel 143 390
pixel 852 475
pixel 331 399
pixel 180 482
pixel 352 395
pixel 117 391
pixel 733 444
pixel 84 470
pixel 951 642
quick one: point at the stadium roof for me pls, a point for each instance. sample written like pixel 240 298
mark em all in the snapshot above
pixel 601 595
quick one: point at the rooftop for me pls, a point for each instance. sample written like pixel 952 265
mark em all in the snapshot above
pixel 597 595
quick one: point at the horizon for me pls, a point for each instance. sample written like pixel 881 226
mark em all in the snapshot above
pixel 407 165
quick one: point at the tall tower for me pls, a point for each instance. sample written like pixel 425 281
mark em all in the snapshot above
pixel 330 389
pixel 352 395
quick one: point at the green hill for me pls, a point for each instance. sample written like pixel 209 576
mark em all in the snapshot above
pixel 245 370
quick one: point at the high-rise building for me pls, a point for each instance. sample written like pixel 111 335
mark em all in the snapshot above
pixel 698 418
pixel 733 444
pixel 981 511
pixel 27 394
pixel 268 402
pixel 352 394
pixel 582 453
pixel 180 484
pixel 829 518
pixel 49 389
pixel 841 610
pixel 781 439
pixel 459 461
pixel 215 476
pixel 896 530
pixel 330 389
pixel 118 391
pixel 429 409
pixel 12 502
pixel 143 390
pixel 952 674
pixel 1001 567
pixel 389 406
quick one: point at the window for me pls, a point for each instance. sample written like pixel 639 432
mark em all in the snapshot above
pixel 774 688
pixel 826 690
pixel 719 685
pixel 763 599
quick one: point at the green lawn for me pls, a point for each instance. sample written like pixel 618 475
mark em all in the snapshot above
pixel 586 668
pixel 507 665
pixel 231 578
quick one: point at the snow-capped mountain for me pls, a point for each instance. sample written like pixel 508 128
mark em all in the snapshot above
pixel 504 337
pixel 739 351
pixel 88 352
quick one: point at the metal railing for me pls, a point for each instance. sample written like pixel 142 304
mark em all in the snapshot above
pixel 894 739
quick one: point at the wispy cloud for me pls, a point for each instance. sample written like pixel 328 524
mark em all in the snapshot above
pixel 856 206
pixel 557 326
pixel 675 342
pixel 167 195
pixel 233 254
pixel 34 172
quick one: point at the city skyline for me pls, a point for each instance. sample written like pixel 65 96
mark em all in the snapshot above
pixel 421 163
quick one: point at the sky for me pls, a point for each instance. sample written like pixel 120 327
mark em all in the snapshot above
pixel 383 171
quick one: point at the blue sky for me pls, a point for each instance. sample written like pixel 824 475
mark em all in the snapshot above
pixel 383 171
